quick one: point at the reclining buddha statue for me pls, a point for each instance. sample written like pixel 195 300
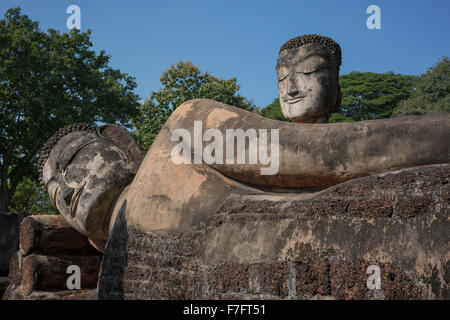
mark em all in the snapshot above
pixel 93 173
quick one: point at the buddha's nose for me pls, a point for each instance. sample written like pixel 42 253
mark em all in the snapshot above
pixel 292 89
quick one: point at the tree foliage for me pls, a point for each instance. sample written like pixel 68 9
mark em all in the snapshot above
pixel 273 111
pixel 30 199
pixel 365 95
pixel 339 117
pixel 369 95
pixel 180 83
pixel 49 80
pixel 431 92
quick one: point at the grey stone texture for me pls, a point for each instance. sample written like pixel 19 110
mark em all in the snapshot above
pixel 38 270
pixel 85 170
pixel 308 78
pixel 311 246
pixel 334 206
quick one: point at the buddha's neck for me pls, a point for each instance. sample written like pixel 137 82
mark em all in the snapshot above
pixel 314 119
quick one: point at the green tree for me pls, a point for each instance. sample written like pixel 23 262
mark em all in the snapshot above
pixel 431 94
pixel 30 199
pixel 365 95
pixel 273 111
pixel 49 80
pixel 182 82
pixel 339 117
pixel 369 95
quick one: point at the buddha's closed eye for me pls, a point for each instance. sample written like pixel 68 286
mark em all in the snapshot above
pixel 320 68
pixel 311 64
pixel 69 159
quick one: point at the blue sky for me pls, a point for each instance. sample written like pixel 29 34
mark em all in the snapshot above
pixel 241 38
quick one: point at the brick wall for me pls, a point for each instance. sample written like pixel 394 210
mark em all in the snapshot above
pixel 296 247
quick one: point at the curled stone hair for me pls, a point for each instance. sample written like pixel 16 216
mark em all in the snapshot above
pixel 48 146
pixel 331 45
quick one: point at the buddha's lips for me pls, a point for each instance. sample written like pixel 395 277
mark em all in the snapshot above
pixel 291 101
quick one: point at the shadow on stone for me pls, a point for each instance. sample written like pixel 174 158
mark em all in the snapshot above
pixel 110 283
pixel 9 240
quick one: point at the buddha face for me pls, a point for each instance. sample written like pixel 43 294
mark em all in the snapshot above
pixel 307 83
pixel 83 175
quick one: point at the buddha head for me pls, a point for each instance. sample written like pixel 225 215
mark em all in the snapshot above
pixel 308 78
pixel 84 168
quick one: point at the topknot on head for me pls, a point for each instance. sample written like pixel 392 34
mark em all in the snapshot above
pixel 331 45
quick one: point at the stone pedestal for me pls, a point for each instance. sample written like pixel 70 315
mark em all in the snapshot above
pixel 378 237
pixel 48 246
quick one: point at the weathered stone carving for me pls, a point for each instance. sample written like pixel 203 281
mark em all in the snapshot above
pixel 97 181
pixel 48 246
pixel 85 173
pixel 83 168
pixel 308 76
pixel 289 246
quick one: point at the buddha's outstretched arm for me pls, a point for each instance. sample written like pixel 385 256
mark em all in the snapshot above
pixel 317 155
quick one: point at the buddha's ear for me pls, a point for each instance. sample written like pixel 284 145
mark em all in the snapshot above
pixel 124 141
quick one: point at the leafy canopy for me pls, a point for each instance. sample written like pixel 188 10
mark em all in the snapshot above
pixel 273 111
pixel 180 83
pixel 369 95
pixel 431 94
pixel 49 80
pixel 365 95
pixel 30 199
